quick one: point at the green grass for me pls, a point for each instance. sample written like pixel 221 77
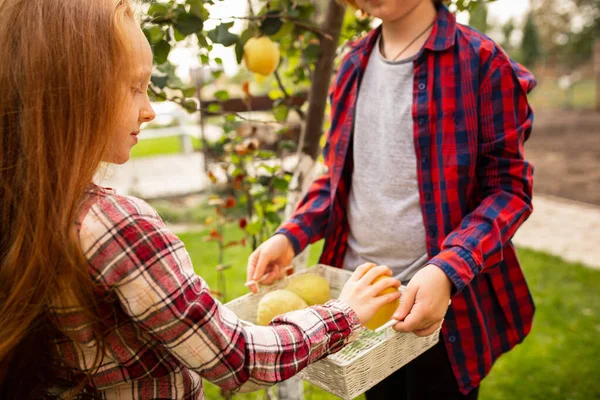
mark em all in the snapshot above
pixel 559 360
pixel 160 146
pixel 547 95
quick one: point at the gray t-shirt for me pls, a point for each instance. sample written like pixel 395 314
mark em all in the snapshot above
pixel 386 223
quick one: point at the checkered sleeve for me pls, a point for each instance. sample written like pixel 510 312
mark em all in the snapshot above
pixel 132 253
pixel 504 177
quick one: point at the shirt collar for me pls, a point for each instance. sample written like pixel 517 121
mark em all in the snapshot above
pixel 442 37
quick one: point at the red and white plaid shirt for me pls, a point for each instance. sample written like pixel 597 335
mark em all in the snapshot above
pixel 168 331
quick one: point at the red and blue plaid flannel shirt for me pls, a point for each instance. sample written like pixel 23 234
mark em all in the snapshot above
pixel 166 331
pixel 471 118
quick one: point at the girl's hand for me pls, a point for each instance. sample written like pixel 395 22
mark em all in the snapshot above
pixel 363 297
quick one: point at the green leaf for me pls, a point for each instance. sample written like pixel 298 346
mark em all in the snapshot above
pixel 239 51
pixel 230 118
pixel 188 24
pixel 189 91
pixel 253 228
pixel 159 97
pixel 237 171
pixel 288 144
pixel 273 218
pixel 202 42
pixel 222 35
pixel 257 190
pixel 268 168
pixel 281 112
pixel 246 35
pixel 158 10
pixel 306 11
pixel 161 51
pixel 214 108
pixel 178 35
pixel 222 95
pixel 311 52
pixel 197 9
pixel 159 81
pixel 267 154
pixel 280 184
pixel 293 12
pixel 190 106
pixel 275 94
pixel 260 213
pixel 286 31
pixel 272 23
pixel 154 34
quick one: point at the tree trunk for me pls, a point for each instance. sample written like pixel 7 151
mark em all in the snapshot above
pixel 309 146
pixel 309 143
pixel 597 72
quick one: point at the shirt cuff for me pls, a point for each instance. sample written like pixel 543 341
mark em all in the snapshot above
pixel 351 318
pixel 295 235
pixel 458 264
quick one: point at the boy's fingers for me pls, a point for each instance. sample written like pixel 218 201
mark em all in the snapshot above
pixel 427 331
pixel 406 304
pixel 251 266
pixel 261 266
pixel 408 325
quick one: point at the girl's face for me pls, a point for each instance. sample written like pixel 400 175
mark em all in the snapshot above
pixel 137 108
pixel 388 10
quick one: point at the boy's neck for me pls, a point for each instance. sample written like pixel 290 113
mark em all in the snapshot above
pixel 398 33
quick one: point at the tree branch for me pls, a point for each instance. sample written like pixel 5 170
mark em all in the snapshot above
pixel 302 24
pixel 286 95
pixel 179 101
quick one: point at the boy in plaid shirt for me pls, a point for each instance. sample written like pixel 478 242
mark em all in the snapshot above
pixel 426 174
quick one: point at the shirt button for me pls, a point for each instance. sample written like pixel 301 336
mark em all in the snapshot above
pixel 432 229
pixel 428 196
pixel 421 121
pixel 452 339
pixel 421 86
pixel 424 159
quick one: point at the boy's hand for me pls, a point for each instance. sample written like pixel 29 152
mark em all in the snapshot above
pixel 270 259
pixel 424 302
pixel 363 297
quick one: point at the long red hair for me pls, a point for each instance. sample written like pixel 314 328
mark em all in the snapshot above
pixel 61 72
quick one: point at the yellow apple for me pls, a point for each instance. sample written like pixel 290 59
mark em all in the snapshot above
pixel 312 288
pixel 261 55
pixel 276 303
pixel 385 313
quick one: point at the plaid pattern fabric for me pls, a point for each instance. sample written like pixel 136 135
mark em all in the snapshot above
pixel 166 330
pixel 471 119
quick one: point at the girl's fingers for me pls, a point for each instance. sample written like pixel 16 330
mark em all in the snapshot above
pixel 386 298
pixel 383 284
pixel 361 271
pixel 375 272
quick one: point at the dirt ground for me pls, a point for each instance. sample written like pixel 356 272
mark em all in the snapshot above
pixel 565 151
